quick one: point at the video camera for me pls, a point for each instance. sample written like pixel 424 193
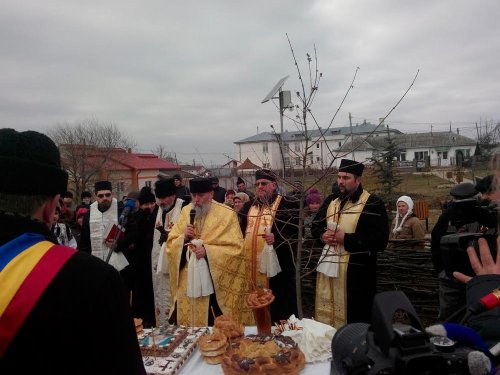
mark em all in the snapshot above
pixel 388 347
pixel 473 219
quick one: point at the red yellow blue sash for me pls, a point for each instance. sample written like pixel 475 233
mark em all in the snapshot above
pixel 28 264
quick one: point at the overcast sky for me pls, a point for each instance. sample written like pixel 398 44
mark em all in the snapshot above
pixel 191 75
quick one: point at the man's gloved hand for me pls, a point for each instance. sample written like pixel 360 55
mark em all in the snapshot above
pixel 163 237
pixel 163 234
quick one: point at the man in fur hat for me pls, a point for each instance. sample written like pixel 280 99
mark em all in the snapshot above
pixel 54 299
pixel 220 244
pixel 357 230
pixel 167 215
pixel 242 188
pixel 98 222
pixel 280 213
pixel 136 245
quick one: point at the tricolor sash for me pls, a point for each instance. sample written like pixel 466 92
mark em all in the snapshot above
pixel 28 264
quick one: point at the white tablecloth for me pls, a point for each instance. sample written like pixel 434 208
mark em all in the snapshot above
pixel 197 366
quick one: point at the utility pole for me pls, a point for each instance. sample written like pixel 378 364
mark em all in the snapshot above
pixel 352 139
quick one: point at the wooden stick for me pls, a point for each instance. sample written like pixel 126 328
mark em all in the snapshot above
pixel 157 316
pixel 213 313
pixel 154 343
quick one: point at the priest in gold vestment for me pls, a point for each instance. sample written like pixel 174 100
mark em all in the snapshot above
pixel 357 229
pixel 280 213
pixel 217 226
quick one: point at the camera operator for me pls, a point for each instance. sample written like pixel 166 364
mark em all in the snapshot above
pixel 451 292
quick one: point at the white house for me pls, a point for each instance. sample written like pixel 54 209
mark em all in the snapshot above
pixel 321 147
pixel 442 148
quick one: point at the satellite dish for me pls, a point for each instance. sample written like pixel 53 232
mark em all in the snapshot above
pixel 275 89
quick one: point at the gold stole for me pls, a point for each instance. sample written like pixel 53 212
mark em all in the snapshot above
pixel 258 219
pixel 221 235
pixel 331 292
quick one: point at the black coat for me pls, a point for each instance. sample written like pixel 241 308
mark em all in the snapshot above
pixel 370 237
pixel 285 243
pixel 137 245
pixel 80 325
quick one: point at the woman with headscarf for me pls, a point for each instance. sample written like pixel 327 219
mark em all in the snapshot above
pixel 406 226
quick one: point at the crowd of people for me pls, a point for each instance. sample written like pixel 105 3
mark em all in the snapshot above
pixel 176 254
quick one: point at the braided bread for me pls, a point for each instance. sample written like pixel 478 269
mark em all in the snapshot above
pixel 228 326
pixel 270 355
pixel 260 298
pixel 212 347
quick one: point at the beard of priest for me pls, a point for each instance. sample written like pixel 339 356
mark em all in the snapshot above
pixel 218 227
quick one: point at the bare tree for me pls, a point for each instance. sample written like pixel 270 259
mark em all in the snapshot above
pixel 311 133
pixel 162 153
pixel 85 148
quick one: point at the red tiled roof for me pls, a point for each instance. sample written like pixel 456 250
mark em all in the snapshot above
pixel 247 164
pixel 120 160
pixel 142 161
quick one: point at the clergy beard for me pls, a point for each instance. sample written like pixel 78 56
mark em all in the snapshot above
pixel 103 206
pixel 202 209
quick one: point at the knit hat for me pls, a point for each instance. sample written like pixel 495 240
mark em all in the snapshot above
pixel 242 196
pixel 351 166
pixel 313 196
pixel 177 177
pixel 239 181
pixel 200 185
pixel 81 211
pixel 86 194
pixel 102 185
pixel 165 188
pixel 146 195
pixel 409 202
pixel 134 195
pixel 265 174
pixel 28 157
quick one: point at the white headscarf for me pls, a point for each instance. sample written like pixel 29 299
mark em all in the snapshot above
pixel 397 225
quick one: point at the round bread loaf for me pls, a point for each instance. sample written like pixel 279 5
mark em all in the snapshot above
pixel 263 355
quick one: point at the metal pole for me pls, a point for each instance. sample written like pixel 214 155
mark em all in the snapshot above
pixel 282 146
pixel 352 139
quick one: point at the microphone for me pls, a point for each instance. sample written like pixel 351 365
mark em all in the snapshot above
pixel 488 302
pixel 129 207
pixel 192 215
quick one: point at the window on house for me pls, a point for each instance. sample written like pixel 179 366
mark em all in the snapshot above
pixel 297 160
pixel 120 186
pixel 297 146
pixel 265 165
pixel 286 148
pixel 147 183
pixel 340 144
pixel 317 159
pixel 317 145
pixel 445 155
pixel 421 155
pixel 264 147
pixel 309 159
pixel 287 161
pixel 403 156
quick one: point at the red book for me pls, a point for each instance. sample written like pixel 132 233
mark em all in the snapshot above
pixel 113 231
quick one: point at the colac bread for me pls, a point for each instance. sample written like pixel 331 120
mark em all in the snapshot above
pixel 228 326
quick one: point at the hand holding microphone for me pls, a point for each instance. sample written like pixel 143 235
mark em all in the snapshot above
pixel 189 234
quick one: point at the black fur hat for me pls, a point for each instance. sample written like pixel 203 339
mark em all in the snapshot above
pixel 146 195
pixel 165 188
pixel 30 164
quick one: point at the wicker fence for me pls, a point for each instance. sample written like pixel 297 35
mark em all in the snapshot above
pixel 410 271
pixel 405 269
